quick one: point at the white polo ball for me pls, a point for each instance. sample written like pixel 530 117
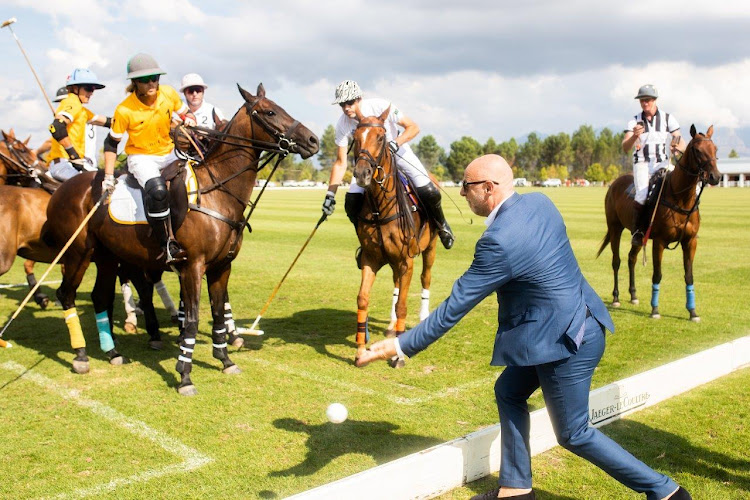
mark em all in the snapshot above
pixel 336 413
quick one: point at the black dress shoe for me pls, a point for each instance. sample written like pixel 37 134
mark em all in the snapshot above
pixel 681 494
pixel 491 495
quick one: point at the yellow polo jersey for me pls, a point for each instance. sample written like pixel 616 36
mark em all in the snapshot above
pixel 72 109
pixel 147 126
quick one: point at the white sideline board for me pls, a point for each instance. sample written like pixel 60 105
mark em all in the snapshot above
pixel 447 466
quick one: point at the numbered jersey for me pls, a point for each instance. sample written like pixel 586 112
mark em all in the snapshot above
pixel 204 115
pixel 147 126
pixel 72 109
pixel 90 149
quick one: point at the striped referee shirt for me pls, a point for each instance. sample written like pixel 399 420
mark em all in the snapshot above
pixel 654 142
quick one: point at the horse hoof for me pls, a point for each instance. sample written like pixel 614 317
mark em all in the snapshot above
pixel 635 302
pixel 130 327
pixel 80 367
pixel 188 390
pixel 43 303
pixel 656 316
pixel 695 319
pixel 397 362
pixel 616 303
pixel 232 370
pixel 119 360
pixel 238 342
pixel 156 345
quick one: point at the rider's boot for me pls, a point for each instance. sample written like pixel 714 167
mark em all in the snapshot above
pixel 157 211
pixel 639 224
pixel 429 195
pixel 353 203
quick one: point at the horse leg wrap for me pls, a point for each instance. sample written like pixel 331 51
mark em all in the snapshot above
pixel 424 310
pixel 396 292
pixel 363 331
pixel 185 359
pixel 220 343
pixel 181 316
pixel 655 295
pixel 127 298
pixel 74 328
pixel 161 289
pixel 400 326
pixel 228 318
pixel 690 295
pixel 106 342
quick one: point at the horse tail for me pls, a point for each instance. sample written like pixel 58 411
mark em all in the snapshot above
pixel 604 244
pixel 47 236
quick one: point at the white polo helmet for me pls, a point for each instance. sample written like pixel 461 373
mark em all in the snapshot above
pixel 143 65
pixel 192 80
pixel 646 91
pixel 348 90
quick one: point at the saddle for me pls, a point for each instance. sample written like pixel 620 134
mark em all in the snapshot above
pixel 126 202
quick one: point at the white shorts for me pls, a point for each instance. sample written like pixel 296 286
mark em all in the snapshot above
pixel 642 172
pixel 409 164
pixel 146 167
pixel 62 170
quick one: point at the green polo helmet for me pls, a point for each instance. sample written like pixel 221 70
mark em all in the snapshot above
pixel 143 65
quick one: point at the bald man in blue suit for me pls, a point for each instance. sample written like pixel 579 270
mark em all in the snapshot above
pixel 551 332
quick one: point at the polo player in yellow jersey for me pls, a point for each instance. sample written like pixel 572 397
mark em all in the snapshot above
pixel 146 116
pixel 67 154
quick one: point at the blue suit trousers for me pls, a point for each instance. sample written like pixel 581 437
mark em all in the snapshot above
pixel 565 385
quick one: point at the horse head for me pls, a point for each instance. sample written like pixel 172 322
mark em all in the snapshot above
pixel 276 126
pixel 700 155
pixel 19 149
pixel 372 154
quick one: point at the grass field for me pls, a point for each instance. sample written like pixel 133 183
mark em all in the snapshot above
pixel 124 432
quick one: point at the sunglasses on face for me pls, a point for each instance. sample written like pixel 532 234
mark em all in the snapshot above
pixel 147 79
pixel 194 90
pixel 347 103
pixel 88 88
pixel 479 182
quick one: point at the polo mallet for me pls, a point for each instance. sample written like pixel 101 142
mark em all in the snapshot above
pixel 59 255
pixel 253 329
pixel 8 25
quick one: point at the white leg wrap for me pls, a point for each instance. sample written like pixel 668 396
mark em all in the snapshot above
pixel 393 306
pixel 127 298
pixel 161 289
pixel 424 310
pixel 228 319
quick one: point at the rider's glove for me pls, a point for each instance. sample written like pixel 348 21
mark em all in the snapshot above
pixel 108 184
pixel 393 146
pixel 329 204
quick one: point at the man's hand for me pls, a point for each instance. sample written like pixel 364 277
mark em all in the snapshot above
pixel 384 349
pixel 190 120
pixel 108 184
pixel 638 129
pixel 393 146
pixel 329 204
pixel 78 163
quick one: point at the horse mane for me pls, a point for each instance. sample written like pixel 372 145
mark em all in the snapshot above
pixel 406 223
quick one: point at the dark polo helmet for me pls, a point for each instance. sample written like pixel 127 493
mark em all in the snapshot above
pixel 647 90
pixel 143 65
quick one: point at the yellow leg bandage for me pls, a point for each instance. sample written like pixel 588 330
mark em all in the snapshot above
pixel 74 328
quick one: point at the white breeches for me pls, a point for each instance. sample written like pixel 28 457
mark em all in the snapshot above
pixel 409 164
pixel 146 167
pixel 642 172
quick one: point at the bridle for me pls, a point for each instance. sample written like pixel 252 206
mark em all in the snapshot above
pixel 375 163
pixel 22 168
pixel 702 165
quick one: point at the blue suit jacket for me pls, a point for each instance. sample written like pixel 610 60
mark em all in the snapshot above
pixel 524 256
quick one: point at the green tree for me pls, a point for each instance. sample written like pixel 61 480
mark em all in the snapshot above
pixel 611 173
pixel 543 174
pixel 733 154
pixel 463 151
pixel 556 150
pixel 529 153
pixel 440 172
pixel 583 143
pixel 328 149
pixel 508 150
pixel 429 152
pixel 595 173
pixel 562 172
pixel 490 147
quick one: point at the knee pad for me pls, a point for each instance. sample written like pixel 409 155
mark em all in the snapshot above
pixel 156 198
pixel 353 205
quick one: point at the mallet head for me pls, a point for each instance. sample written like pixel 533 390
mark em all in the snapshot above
pixel 8 22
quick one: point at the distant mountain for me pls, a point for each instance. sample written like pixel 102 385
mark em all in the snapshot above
pixel 727 139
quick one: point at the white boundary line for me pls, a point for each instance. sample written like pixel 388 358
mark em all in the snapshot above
pixel 19 285
pixel 191 458
pixel 352 387
pixel 447 466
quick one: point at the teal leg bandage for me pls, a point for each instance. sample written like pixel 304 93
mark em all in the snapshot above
pixel 105 334
pixel 655 294
pixel 690 294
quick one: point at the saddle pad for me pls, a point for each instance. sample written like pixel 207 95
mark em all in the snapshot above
pixel 126 202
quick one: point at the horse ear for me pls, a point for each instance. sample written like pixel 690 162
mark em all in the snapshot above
pixel 247 96
pixel 261 90
pixel 710 131
pixel 5 136
pixel 692 130
pixel 26 142
pixel 384 114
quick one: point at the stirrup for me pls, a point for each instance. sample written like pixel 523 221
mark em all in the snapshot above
pixel 637 239
pixel 174 252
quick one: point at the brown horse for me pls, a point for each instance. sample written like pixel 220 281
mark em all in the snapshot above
pixel 211 232
pixel 676 219
pixel 389 231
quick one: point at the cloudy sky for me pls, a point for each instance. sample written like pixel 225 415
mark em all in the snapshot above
pixel 472 67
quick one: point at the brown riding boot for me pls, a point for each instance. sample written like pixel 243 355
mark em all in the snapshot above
pixel 638 225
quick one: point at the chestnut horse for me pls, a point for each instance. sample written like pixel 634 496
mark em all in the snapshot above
pixel 389 230
pixel 211 232
pixel 676 219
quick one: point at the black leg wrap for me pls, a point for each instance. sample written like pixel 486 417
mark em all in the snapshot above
pixel 81 354
pixel 353 203
pixel 430 197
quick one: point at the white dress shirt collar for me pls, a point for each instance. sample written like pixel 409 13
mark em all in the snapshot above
pixel 491 217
